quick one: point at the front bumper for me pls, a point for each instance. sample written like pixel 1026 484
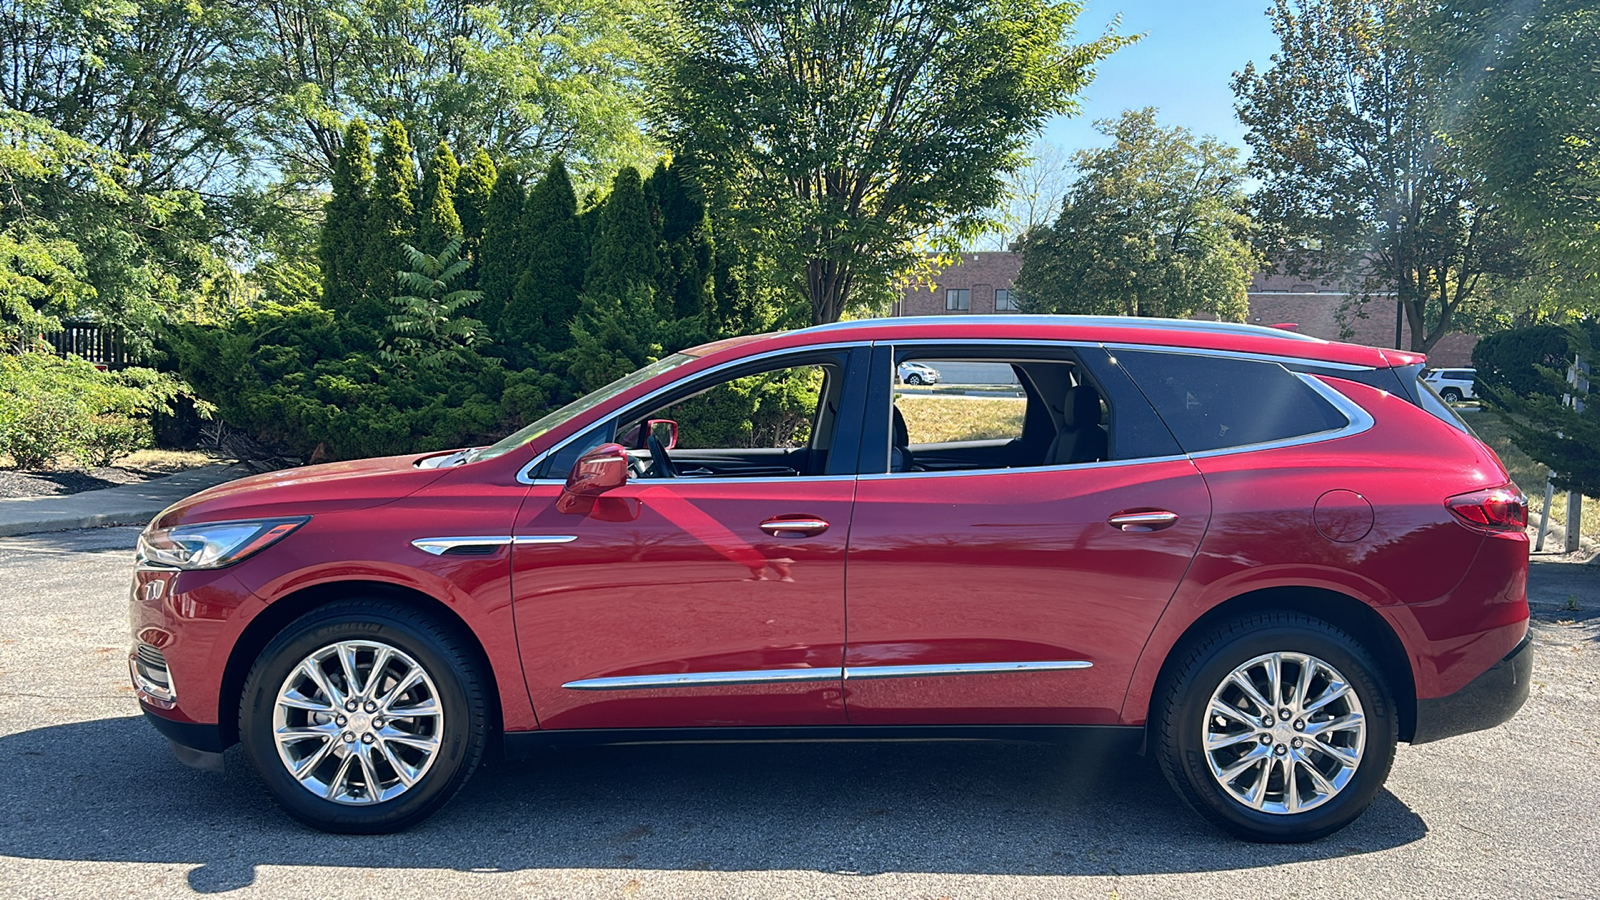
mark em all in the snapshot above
pixel 1490 699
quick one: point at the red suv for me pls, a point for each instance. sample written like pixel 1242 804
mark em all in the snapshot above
pixel 1262 557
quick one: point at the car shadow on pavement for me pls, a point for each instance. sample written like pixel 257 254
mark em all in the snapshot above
pixel 108 790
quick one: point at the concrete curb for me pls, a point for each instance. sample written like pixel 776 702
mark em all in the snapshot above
pixel 128 504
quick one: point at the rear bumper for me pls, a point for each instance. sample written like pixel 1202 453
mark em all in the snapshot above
pixel 1490 699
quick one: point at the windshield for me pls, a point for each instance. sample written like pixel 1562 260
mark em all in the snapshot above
pixel 582 404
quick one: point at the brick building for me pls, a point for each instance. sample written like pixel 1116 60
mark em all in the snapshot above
pixel 981 283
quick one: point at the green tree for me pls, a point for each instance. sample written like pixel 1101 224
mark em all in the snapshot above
pixel 439 223
pixel 1349 136
pixel 391 220
pixel 1153 226
pixel 1524 78
pixel 834 135
pixel 624 252
pixel 474 187
pixel 501 253
pixel 429 325
pixel 540 314
pixel 344 223
pixel 686 249
pixel 526 81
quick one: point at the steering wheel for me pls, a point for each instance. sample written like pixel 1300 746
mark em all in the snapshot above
pixel 661 463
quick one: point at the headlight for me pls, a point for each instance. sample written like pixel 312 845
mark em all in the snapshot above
pixel 212 545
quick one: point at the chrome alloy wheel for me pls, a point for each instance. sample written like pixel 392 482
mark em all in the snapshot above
pixel 1284 733
pixel 357 722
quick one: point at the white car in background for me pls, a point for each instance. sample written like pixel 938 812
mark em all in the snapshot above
pixel 918 373
pixel 1454 385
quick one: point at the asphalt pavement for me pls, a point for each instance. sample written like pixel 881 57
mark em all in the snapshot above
pixel 94 805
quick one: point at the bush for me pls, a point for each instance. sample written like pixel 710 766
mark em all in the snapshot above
pixel 308 384
pixel 1509 360
pixel 51 406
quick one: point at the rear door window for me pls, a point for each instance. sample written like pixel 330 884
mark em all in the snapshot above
pixel 1219 402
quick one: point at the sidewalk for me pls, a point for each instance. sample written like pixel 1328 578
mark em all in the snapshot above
pixel 128 504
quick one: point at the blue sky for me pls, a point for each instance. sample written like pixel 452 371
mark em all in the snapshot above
pixel 1183 65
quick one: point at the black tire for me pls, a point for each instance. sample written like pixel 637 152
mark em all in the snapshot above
pixel 1182 717
pixel 913 378
pixel 461 729
pixel 1451 395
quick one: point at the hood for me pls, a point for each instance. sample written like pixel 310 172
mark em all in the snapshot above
pixel 304 491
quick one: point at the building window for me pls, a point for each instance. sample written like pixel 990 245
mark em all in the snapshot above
pixel 1004 301
pixel 958 299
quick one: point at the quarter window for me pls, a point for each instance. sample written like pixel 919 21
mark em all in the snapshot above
pixel 1212 402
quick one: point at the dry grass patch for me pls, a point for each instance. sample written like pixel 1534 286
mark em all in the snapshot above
pixel 949 417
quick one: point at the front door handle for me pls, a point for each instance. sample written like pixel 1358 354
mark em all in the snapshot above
pixel 794 526
pixel 1143 520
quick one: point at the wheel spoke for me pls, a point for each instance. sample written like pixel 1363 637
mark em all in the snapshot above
pixel 1274 669
pixel 1346 722
pixel 420 742
pixel 405 684
pixel 347 663
pixel 339 784
pixel 1336 690
pixel 1256 755
pixel 406 773
pixel 1323 784
pixel 1257 795
pixel 297 700
pixel 313 671
pixel 1229 712
pixel 1219 741
pixel 1345 755
pixel 1303 683
pixel 1242 681
pixel 307 765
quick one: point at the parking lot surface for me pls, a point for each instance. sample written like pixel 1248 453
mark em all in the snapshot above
pixel 94 805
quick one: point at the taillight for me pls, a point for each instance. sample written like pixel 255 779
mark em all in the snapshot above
pixel 1495 509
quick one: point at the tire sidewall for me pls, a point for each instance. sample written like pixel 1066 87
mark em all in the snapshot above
pixel 1343 654
pixel 459 747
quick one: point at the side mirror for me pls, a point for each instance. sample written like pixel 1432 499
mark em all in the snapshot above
pixel 600 470
pixel 665 431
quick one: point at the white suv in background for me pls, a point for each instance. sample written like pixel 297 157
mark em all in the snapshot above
pixel 1454 385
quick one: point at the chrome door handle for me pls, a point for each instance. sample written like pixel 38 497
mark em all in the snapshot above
pixel 797 526
pixel 1143 520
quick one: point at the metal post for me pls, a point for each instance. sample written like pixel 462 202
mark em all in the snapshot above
pixel 1544 515
pixel 1580 387
pixel 1399 317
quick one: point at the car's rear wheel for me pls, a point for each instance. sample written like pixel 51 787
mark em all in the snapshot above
pixel 363 717
pixel 1451 395
pixel 1277 727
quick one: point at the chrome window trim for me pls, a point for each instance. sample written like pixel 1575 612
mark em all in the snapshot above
pixel 698 479
pixel 870 673
pixel 703 679
pixel 1013 470
pixel 1240 354
pixel 523 476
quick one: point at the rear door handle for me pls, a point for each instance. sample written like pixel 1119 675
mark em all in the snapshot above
pixel 794 526
pixel 1143 520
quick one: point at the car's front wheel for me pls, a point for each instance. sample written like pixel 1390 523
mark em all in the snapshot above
pixel 913 378
pixel 363 717
pixel 1277 727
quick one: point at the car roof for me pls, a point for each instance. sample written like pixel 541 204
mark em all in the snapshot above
pixel 1175 333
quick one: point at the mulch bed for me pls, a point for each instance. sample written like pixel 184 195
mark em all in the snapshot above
pixel 67 481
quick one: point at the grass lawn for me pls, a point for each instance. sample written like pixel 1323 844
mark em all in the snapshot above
pixel 948 417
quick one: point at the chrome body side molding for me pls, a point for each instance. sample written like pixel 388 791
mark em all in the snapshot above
pixel 781 676
pixel 866 673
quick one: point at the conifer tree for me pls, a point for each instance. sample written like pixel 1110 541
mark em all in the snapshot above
pixel 439 223
pixel 686 250
pixel 391 223
pixel 545 301
pixel 474 186
pixel 623 253
pixel 501 256
pixel 341 248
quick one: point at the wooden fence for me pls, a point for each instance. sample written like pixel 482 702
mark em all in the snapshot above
pixel 103 345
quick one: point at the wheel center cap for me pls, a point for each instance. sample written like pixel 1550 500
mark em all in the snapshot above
pixel 359 722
